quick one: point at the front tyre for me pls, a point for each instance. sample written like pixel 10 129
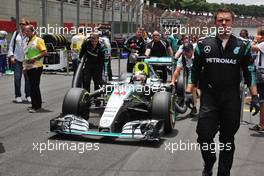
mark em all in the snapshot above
pixel 76 101
pixel 162 110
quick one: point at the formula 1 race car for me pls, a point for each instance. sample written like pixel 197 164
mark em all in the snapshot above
pixel 136 106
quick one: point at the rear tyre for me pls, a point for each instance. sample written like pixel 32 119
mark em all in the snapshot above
pixel 181 84
pixel 162 110
pixel 76 102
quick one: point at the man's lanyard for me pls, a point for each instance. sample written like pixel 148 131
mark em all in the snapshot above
pixel 260 59
pixel 23 39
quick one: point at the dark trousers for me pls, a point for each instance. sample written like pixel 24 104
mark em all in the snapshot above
pixel 130 66
pixel 92 72
pixel 219 111
pixel 109 70
pixel 34 75
pixel 2 63
pixel 74 65
pixel 163 69
pixel 17 80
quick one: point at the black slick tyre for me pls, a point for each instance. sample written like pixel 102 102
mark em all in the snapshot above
pixel 161 110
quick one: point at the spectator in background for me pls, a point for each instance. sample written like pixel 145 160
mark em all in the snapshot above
pixel 33 64
pixel 144 34
pixel 258 47
pixel 105 40
pixel 173 41
pixel 16 54
pixel 194 41
pixel 3 51
pixel 107 35
pixel 244 34
pixel 76 43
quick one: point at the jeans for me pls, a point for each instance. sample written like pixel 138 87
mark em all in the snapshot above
pixel 2 63
pixel 17 80
pixel 34 75
pixel 130 66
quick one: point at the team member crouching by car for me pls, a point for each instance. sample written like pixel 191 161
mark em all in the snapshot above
pixel 186 62
pixel 34 53
pixel 95 55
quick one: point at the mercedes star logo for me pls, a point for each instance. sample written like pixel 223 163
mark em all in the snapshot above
pixel 207 49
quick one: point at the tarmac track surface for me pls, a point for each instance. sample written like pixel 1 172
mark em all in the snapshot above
pixel 22 135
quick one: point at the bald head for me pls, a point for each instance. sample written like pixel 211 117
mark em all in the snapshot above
pixel 156 36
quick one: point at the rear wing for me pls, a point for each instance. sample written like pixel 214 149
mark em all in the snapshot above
pixel 159 60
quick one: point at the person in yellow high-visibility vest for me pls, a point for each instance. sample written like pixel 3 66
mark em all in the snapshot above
pixel 34 53
pixel 76 43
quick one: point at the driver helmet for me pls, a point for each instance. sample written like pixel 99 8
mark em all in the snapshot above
pixel 139 77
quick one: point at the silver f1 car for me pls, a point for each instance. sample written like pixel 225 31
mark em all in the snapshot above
pixel 137 106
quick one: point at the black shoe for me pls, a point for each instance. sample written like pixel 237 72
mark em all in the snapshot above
pixel 193 111
pixel 257 128
pixel 33 110
pixel 29 107
pixel 207 173
pixel 97 103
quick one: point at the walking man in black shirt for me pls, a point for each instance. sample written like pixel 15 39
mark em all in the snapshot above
pixel 216 65
pixel 95 56
pixel 134 44
pixel 159 48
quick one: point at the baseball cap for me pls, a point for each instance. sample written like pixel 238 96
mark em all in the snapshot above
pixel 187 47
